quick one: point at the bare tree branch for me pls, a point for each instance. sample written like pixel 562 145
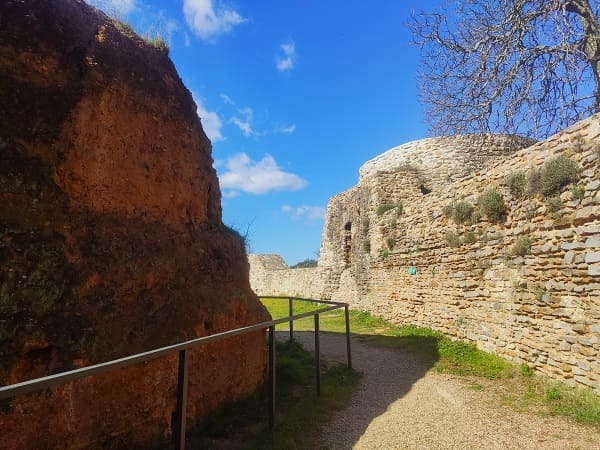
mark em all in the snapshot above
pixel 529 67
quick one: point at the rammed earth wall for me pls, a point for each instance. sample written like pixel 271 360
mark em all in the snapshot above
pixel 542 309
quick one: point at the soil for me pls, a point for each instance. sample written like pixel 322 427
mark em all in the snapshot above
pixel 111 238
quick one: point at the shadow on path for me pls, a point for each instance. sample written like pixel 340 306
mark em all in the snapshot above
pixel 389 372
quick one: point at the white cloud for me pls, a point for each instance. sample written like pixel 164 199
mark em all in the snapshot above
pixel 286 129
pixel 304 212
pixel 211 122
pixel 244 126
pixel 288 60
pixel 243 174
pixel 245 123
pixel 206 21
pixel 227 99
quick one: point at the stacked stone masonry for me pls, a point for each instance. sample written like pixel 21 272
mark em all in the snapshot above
pixel 542 309
pixel 270 275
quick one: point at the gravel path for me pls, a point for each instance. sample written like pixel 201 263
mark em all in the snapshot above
pixel 401 405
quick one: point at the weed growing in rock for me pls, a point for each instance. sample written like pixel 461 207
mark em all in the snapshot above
pixel 390 243
pixel 556 173
pixel 367 246
pixel 534 182
pixel 577 192
pixel 452 239
pixel 492 205
pixel 365 226
pixel 243 238
pixel 463 212
pixel 579 144
pixel 470 237
pixel 540 293
pixel 158 42
pixel 448 210
pixel 399 208
pixel 517 183
pixel 385 207
pixel 554 204
pixel 522 246
pixel 123 28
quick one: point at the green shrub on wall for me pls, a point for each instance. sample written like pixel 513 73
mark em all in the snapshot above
pixel 452 239
pixel 460 212
pixel 557 173
pixel 522 246
pixel 554 204
pixel 449 209
pixel 517 183
pixel 492 205
pixel 577 192
pixel 463 212
pixel 470 237
pixel 385 207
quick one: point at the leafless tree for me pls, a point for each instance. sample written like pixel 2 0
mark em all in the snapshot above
pixel 529 67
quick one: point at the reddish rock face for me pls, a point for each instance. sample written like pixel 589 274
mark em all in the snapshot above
pixel 111 240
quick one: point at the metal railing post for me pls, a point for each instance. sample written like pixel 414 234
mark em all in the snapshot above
pixel 291 307
pixel 182 394
pixel 317 356
pixel 348 351
pixel 272 380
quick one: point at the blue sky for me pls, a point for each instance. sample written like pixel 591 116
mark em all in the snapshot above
pixel 295 96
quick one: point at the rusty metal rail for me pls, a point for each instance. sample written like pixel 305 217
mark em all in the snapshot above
pixel 179 425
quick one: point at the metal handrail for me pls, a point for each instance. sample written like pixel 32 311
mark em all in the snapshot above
pixel 37 384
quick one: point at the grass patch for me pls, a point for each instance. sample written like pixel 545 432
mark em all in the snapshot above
pixel 526 389
pixel 539 394
pixel 456 357
pixel 576 403
pixel 300 412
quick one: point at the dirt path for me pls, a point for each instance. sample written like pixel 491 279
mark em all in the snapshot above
pixel 401 405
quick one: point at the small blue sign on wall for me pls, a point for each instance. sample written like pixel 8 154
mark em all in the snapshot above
pixel 412 270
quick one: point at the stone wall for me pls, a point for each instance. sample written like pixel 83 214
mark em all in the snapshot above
pixel 270 275
pixel 542 309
